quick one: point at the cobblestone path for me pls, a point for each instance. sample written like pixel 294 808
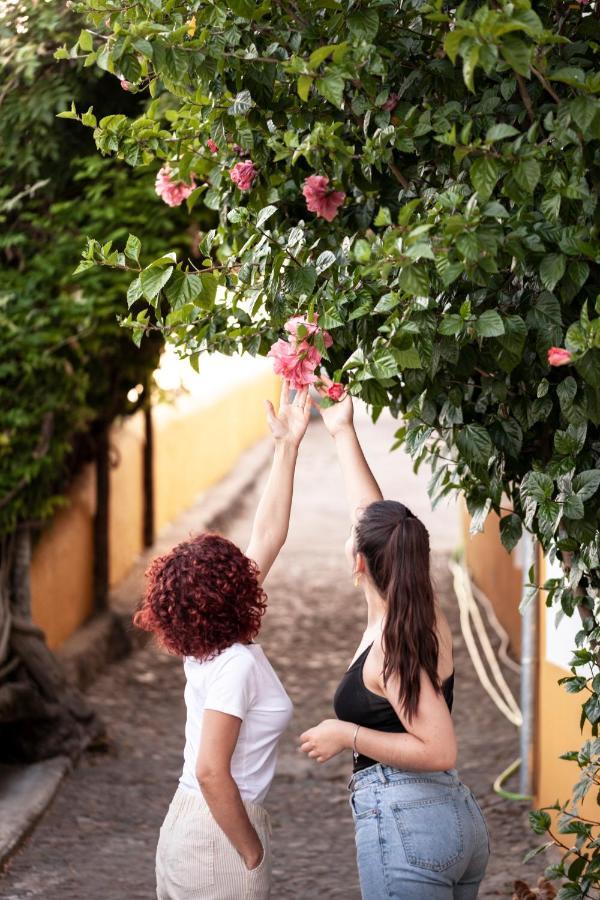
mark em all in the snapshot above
pixel 97 841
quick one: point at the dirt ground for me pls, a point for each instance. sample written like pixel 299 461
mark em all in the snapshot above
pixel 97 841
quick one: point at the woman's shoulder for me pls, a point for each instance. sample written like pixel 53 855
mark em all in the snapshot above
pixel 236 655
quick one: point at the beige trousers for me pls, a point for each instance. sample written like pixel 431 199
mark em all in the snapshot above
pixel 195 860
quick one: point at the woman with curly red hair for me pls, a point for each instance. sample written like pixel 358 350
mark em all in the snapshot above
pixel 205 602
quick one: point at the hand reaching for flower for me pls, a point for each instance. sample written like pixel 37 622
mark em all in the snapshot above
pixel 290 423
pixel 340 414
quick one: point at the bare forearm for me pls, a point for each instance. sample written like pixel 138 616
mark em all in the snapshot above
pixel 272 517
pixel 225 803
pixel 402 751
pixel 361 486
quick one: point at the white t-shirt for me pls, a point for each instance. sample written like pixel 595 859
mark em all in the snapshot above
pixel 239 681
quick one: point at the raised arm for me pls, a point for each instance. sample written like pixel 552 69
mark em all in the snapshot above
pixel 272 518
pixel 361 486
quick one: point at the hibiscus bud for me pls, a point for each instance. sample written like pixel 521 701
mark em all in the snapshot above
pixel 335 391
pixel 212 146
pixel 391 103
pixel 558 356
pixel 126 85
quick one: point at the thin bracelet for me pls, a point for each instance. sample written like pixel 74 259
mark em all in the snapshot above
pixel 354 750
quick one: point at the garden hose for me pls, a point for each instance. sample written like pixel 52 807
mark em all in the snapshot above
pixel 499 692
pixel 504 776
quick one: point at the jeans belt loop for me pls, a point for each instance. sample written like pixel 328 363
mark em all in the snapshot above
pixel 381 774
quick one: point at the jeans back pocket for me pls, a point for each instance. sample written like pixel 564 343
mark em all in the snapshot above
pixel 431 831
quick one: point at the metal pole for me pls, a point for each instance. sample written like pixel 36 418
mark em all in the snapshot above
pixel 528 672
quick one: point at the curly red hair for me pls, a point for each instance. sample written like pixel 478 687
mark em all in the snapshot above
pixel 202 597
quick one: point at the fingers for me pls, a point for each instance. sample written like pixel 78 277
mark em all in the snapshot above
pixel 285 393
pixel 270 411
pixel 300 398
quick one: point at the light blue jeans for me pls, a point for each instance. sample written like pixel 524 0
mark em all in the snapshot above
pixel 419 835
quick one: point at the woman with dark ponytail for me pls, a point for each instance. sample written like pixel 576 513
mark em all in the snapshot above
pixel 420 834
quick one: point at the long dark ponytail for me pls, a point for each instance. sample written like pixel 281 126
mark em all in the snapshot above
pixel 395 545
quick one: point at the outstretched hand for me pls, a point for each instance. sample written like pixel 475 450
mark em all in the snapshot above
pixel 290 422
pixel 340 414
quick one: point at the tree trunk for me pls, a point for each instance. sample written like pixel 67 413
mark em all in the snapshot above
pixel 101 521
pixel 41 715
pixel 148 471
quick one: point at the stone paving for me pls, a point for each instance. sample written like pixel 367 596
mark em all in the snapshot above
pixel 97 841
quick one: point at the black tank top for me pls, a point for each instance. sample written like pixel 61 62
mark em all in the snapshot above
pixel 354 702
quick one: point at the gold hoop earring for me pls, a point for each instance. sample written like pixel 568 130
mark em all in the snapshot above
pixel 356 580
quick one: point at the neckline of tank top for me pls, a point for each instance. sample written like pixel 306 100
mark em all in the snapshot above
pixel 374 693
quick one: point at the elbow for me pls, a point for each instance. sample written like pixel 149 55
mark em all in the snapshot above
pixel 210 778
pixel 446 757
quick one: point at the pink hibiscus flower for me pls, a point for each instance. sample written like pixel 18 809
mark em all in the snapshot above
pixel 320 198
pixel 172 192
pixel 335 391
pixel 291 326
pixel 557 356
pixel 243 174
pixel 296 359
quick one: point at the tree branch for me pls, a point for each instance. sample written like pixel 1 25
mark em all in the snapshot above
pixel 525 98
pixel 398 175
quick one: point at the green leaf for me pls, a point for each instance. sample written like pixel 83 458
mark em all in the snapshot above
pixel 552 269
pixel 586 483
pixel 511 529
pixel 414 280
pixel 484 174
pixel 499 132
pixel 242 104
pixel 153 280
pixel 264 215
pixel 364 25
pixel 134 291
pixel 537 486
pixel 183 288
pixel 540 821
pixel 303 86
pixel 516 53
pixel 324 261
pixel 133 247
pixel 331 86
pixel 320 55
pixel 451 324
pixel 300 280
pixel 527 174
pixel 489 324
pixel 475 444
pixel 86 42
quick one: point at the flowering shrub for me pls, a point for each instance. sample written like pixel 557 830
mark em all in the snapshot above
pixel 427 186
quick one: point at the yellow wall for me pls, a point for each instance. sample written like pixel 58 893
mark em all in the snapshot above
pixel 61 570
pixel 196 444
pixel 496 572
pixel 557 727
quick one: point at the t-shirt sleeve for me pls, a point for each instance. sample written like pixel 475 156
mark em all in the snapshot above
pixel 231 688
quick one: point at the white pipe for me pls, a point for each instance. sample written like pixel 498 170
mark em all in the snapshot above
pixel 528 665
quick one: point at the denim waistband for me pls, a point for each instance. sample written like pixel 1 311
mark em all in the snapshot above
pixel 380 774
